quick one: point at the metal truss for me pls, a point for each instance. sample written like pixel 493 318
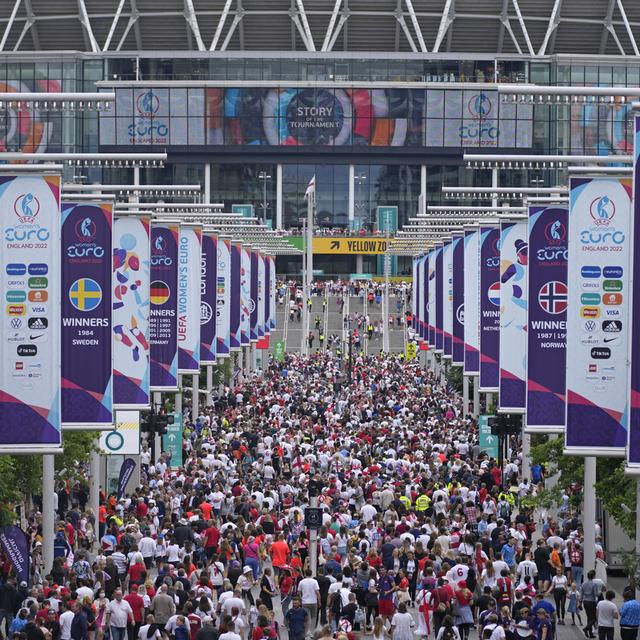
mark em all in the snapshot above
pixel 416 26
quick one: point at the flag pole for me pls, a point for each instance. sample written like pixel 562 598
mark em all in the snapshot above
pixel 311 198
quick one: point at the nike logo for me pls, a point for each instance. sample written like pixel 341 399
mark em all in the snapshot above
pixel 36 337
pixel 605 340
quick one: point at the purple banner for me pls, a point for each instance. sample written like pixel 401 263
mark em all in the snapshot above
pixel 14 544
pixel 633 436
pixel 439 335
pixel 126 470
pixel 87 361
pixel 267 295
pixel 163 322
pixel 458 300
pixel 253 300
pixel 208 278
pixel 424 297
pixel 472 303
pixel 447 299
pixel 415 296
pixel 236 265
pixel 430 283
pixel 547 318
pixel 489 308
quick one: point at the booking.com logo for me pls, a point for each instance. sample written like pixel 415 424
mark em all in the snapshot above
pixel 27 208
pixel 602 210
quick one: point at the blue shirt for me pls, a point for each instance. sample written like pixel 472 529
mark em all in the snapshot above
pixel 630 614
pixel 296 619
pixel 543 604
pixel 508 554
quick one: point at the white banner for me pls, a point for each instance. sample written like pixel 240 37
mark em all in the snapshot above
pixel 30 345
pixel 430 277
pixel 513 316
pixel 189 258
pixel 125 438
pixel 223 298
pixel 131 280
pixel 472 302
pixel 598 315
pixel 245 296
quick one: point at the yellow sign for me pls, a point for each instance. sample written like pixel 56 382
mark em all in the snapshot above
pixel 350 246
pixel 411 351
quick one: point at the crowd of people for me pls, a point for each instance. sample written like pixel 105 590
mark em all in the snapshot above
pixel 419 534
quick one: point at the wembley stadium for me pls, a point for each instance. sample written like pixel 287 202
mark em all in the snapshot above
pixel 378 99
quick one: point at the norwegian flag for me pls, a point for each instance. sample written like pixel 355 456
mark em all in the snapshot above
pixel 552 297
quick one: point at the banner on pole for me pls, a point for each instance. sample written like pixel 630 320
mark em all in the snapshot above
pixel 86 399
pixel 633 435
pixel 513 316
pixel 546 319
pixel 253 297
pixel 439 299
pixel 430 276
pixel 262 298
pixel 235 296
pixel 447 299
pixel 130 282
pixel 14 544
pixel 245 296
pixel 126 471
pixel 471 302
pixel 163 321
pixel 30 346
pixel 223 298
pixel 272 292
pixel 208 283
pixel 189 257
pixel 489 308
pixel 457 282
pixel 600 211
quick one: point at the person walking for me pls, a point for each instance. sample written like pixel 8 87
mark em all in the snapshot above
pixel 118 615
pixel 607 614
pixel 589 593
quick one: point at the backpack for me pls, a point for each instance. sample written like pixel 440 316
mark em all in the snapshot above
pixel 503 591
pixel 576 556
pixel 439 605
pixel 504 510
pixel 447 634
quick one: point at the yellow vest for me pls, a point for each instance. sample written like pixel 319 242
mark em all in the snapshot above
pixel 422 503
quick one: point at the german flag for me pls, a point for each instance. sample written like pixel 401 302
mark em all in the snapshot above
pixel 160 292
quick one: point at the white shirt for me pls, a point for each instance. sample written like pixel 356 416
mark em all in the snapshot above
pixel 458 573
pixel 147 546
pixel 85 592
pixel 368 512
pixel 142 634
pixel 65 625
pixel 120 612
pixel 308 588
pixel 607 613
pixel 402 624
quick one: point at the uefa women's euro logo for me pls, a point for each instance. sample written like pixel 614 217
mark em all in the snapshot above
pixel 602 211
pixel 27 207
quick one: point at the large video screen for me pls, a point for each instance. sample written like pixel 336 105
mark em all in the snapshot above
pixel 315 117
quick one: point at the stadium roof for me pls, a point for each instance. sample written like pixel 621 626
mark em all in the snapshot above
pixel 528 27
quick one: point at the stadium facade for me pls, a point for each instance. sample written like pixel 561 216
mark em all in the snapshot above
pixel 376 98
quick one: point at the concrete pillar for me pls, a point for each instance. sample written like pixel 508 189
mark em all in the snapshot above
pixel 359 264
pixel 178 400
pixel 209 385
pixel 157 441
pixel 526 453
pixel 279 200
pixel 488 401
pixel 465 394
pixel 589 514
pixel 195 395
pixel 351 209
pixel 423 186
pixel 476 397
pixel 207 183
pixel 48 512
pixel 94 485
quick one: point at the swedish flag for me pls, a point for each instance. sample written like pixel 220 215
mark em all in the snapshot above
pixel 85 294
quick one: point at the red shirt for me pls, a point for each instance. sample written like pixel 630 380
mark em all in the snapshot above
pixel 137 605
pixel 134 572
pixel 211 537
